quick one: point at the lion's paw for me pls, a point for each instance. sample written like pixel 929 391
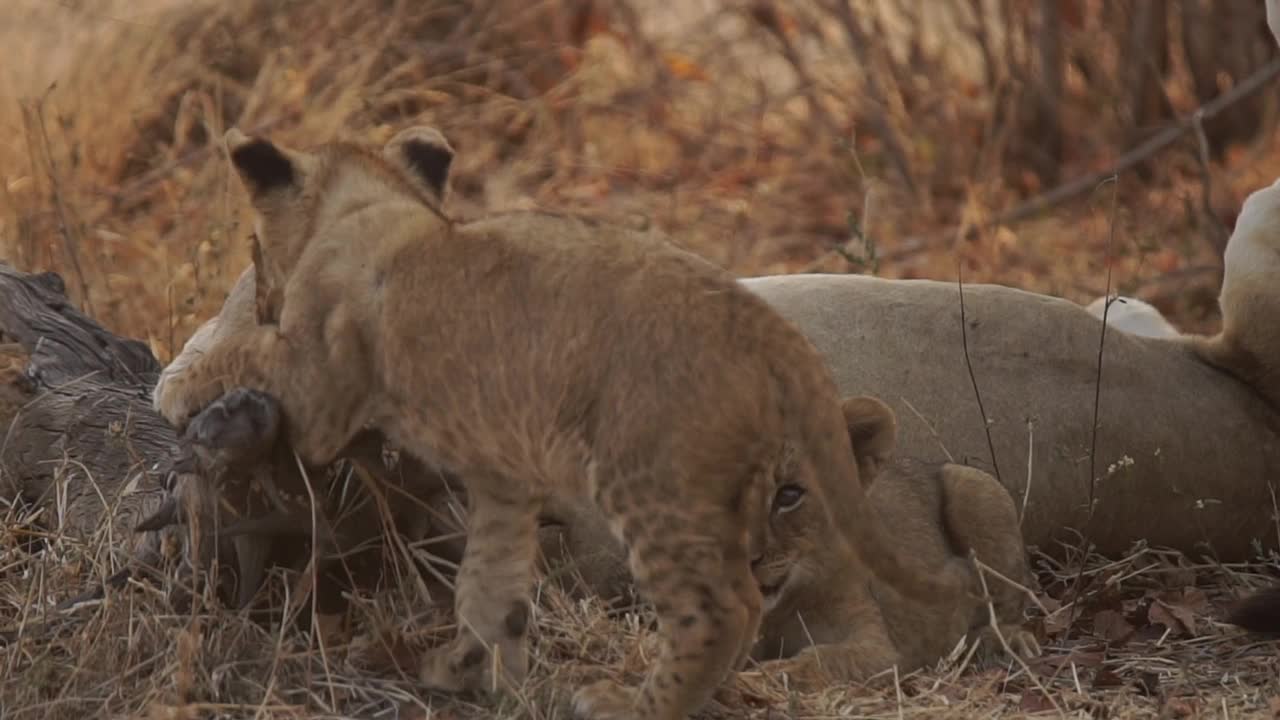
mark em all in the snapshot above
pixel 1020 641
pixel 241 420
pixel 176 399
pixel 802 672
pixel 459 667
pixel 606 700
pixel 1024 643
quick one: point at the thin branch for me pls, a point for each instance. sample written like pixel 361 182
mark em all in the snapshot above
pixel 1082 185
pixel 858 43
pixel 767 16
pixel 1218 232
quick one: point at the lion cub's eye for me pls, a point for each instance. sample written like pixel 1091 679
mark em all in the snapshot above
pixel 788 498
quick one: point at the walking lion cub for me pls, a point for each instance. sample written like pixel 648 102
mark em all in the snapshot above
pixel 529 352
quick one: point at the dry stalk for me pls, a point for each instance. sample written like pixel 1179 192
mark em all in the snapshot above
pixel 69 232
pixel 994 625
pixel 1026 493
pixel 964 343
pixel 313 567
pixel 933 431
pixel 1097 392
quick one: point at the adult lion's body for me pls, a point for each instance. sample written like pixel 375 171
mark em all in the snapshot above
pixel 530 354
pixel 1185 452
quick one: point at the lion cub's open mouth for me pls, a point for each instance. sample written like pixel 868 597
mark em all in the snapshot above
pixel 772 592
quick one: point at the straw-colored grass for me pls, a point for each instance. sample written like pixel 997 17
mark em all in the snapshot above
pixel 742 130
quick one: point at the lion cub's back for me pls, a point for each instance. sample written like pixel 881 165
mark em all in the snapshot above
pixel 585 334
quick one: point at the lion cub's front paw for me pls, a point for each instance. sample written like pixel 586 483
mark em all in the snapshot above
pixel 1021 641
pixel 444 670
pixel 606 700
pixel 176 400
pixel 467 665
pixel 802 673
pixel 242 420
pixel 1024 643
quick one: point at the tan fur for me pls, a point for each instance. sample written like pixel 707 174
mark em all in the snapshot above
pixel 827 618
pixel 528 353
pixel 1248 345
pixel 1134 316
pixel 238 447
pixel 830 621
pixel 1035 359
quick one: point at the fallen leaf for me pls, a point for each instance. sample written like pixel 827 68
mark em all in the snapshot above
pixel 1034 701
pixel 1105 678
pixel 1057 623
pixel 1179 619
pixel 1111 625
pixel 1178 708
pixel 1167 260
pixel 684 68
pixel 333 628
pixel 1194 599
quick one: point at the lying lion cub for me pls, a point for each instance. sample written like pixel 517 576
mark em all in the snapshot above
pixel 826 618
pixel 529 353
pixel 836 623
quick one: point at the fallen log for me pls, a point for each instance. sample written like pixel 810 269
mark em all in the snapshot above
pixel 86 460
pixel 82 452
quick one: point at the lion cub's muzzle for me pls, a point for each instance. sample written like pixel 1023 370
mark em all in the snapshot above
pixel 772 577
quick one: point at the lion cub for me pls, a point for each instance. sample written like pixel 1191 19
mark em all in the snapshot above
pixel 527 353
pixel 833 621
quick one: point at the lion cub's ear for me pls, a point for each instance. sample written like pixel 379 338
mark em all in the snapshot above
pixel 262 166
pixel 425 155
pixel 873 430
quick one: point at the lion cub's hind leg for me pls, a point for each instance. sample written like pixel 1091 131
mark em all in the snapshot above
pixel 492 598
pixel 693 565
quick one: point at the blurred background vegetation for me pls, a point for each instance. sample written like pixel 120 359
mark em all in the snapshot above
pixel 907 138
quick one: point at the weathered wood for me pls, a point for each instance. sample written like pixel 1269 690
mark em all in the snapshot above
pixel 85 454
pixel 82 446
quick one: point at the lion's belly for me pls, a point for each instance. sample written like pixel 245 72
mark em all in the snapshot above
pixel 505 446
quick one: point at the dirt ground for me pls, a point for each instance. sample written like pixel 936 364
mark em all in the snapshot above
pixel 744 129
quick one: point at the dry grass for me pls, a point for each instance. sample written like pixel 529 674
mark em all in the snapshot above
pixel 1146 645
pixel 738 128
